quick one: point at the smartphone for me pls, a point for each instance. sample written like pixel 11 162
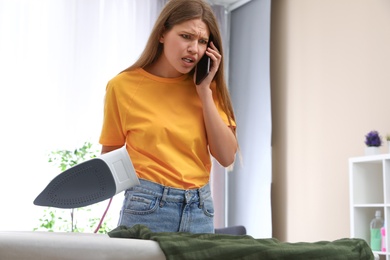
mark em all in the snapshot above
pixel 202 69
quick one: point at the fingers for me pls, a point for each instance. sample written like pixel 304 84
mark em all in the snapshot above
pixel 215 56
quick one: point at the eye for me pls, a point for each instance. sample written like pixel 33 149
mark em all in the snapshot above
pixel 186 36
pixel 203 41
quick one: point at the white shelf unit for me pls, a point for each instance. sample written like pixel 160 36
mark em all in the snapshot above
pixel 369 182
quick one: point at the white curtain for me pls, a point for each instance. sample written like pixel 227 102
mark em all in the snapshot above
pixel 218 173
pixel 243 196
pixel 249 185
pixel 56 57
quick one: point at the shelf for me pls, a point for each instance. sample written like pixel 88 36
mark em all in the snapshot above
pixel 370 158
pixel 370 205
pixel 369 180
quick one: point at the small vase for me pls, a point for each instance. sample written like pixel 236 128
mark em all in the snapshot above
pixel 388 145
pixel 372 150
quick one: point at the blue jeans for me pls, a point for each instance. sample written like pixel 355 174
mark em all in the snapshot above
pixel 166 209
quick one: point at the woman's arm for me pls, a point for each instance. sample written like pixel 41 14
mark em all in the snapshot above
pixel 106 149
pixel 222 141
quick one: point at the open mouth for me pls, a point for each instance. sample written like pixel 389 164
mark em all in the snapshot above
pixel 188 60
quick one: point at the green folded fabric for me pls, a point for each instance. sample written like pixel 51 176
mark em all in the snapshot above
pixel 188 246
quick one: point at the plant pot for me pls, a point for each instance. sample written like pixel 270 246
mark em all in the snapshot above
pixel 372 150
pixel 388 145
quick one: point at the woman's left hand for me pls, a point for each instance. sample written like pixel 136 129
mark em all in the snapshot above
pixel 216 58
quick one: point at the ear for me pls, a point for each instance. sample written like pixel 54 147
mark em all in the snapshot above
pixel 162 35
pixel 162 38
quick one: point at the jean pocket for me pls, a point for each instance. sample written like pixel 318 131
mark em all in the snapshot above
pixel 140 204
pixel 208 207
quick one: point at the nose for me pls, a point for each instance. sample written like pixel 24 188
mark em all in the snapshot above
pixel 193 47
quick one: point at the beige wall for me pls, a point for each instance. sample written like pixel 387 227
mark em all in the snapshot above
pixel 330 79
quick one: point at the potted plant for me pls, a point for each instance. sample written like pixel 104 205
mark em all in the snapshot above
pixel 388 141
pixel 373 142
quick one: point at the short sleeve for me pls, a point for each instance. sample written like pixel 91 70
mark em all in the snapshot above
pixel 112 130
pixel 222 113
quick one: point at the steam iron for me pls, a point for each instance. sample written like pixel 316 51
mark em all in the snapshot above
pixel 90 182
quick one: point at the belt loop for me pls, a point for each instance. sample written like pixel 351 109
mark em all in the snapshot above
pixel 200 194
pixel 164 196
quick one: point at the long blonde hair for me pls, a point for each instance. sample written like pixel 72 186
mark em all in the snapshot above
pixel 176 12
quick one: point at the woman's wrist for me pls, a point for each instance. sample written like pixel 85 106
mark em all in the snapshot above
pixel 205 94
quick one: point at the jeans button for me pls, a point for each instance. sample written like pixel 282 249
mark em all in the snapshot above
pixel 187 196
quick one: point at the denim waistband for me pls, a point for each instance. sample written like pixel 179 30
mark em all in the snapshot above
pixel 173 194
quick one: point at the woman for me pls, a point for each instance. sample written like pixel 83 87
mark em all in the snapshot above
pixel 170 125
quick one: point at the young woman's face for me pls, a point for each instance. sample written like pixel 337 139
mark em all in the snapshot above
pixel 184 45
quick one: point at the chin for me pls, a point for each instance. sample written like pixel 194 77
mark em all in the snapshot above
pixel 187 70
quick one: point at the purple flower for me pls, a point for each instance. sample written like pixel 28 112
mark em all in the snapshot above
pixel 373 139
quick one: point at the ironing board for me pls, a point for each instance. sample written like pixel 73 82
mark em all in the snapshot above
pixel 22 245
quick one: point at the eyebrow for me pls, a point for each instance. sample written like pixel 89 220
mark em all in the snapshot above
pixel 195 34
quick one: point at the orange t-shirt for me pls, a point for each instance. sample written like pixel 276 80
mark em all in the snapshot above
pixel 161 121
